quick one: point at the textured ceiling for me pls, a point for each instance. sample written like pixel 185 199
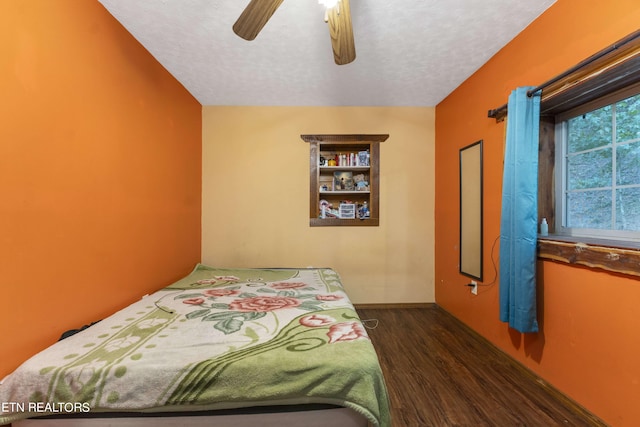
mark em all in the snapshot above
pixel 409 52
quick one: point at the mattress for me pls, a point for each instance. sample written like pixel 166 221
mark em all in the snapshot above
pixel 217 339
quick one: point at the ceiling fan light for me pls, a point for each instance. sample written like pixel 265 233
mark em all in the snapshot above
pixel 328 3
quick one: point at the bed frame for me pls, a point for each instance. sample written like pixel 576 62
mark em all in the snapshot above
pixel 333 417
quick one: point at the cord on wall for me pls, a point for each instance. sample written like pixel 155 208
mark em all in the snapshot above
pixel 493 262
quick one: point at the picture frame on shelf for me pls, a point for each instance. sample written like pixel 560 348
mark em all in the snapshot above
pixel 363 158
pixel 343 181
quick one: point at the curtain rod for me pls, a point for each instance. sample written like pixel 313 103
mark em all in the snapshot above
pixel 501 112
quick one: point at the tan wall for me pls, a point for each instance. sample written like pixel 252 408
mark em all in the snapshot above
pixel 255 201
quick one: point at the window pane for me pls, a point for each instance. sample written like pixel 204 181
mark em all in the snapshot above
pixel 628 119
pixel 628 163
pixel 628 209
pixel 591 130
pixel 589 209
pixel 592 169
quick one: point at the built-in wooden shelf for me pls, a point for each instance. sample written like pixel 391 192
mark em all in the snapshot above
pixel 348 152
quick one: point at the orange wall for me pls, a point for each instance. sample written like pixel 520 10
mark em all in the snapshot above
pixel 589 344
pixel 100 169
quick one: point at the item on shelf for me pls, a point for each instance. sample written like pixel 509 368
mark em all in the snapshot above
pixel 326 210
pixel 347 210
pixel 363 211
pixel 544 227
pixel 363 158
pixel 343 181
pixel 332 162
pixel 361 184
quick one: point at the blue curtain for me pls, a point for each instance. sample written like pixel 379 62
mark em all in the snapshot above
pixel 519 219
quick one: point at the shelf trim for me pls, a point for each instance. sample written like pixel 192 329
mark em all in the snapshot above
pixel 344 192
pixel 345 139
pixel 350 168
pixel 331 222
pixel 596 254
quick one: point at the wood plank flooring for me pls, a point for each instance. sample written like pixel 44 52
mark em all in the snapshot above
pixel 441 373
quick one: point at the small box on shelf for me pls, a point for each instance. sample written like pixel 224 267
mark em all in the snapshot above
pixel 347 210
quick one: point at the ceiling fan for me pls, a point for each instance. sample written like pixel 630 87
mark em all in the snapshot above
pixel 338 16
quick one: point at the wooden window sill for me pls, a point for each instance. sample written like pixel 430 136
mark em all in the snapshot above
pixel 595 253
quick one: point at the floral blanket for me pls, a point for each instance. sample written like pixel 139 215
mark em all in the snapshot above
pixel 217 339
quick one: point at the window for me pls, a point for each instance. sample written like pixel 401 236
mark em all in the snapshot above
pixel 598 168
pixel 602 230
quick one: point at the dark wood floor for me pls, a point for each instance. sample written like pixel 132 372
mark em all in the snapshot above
pixel 440 373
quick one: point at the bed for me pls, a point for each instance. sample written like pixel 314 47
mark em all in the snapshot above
pixel 270 343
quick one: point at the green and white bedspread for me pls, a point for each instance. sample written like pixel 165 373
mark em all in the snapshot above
pixel 217 339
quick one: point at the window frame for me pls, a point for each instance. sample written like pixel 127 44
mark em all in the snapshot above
pixel 614 68
pixel 561 229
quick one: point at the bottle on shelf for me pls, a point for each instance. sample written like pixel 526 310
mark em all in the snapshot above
pixel 544 227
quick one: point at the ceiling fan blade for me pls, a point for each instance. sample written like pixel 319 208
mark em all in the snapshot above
pixel 254 17
pixel 341 31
